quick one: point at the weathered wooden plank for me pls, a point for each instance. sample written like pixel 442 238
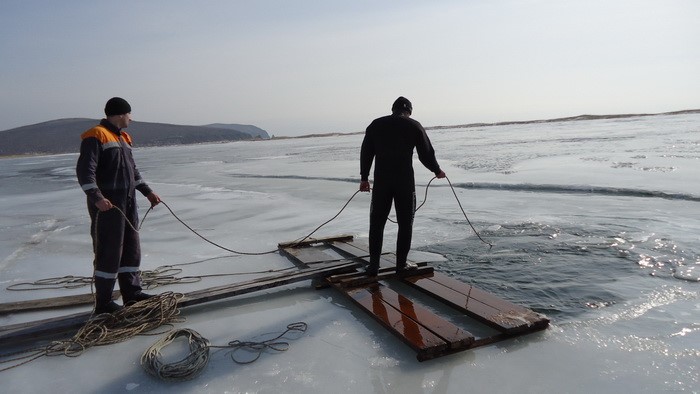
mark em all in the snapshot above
pixel 227 291
pixel 311 241
pixel 404 326
pixel 511 321
pixel 450 333
pixel 308 256
pixel 311 256
pixel 459 301
pixel 360 278
pixel 50 303
pixel 67 325
pixel 508 310
pixel 359 248
pixel 479 294
pixel 56 327
pixel 350 248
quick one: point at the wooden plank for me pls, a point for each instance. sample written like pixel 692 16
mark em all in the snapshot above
pixel 404 325
pixel 479 294
pixel 50 303
pixel 351 248
pixel 311 241
pixel 67 325
pixel 359 248
pixel 226 291
pixel 450 333
pixel 309 256
pixel 508 310
pixel 57 327
pixel 482 309
pixel 360 278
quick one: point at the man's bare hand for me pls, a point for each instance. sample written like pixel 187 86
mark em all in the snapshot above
pixel 104 205
pixel 154 199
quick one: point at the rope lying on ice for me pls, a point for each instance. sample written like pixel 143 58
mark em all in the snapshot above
pixel 106 329
pixel 184 369
pixel 258 347
pixel 198 357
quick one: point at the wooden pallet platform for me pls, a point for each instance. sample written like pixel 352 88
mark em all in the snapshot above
pixel 491 310
pixel 424 331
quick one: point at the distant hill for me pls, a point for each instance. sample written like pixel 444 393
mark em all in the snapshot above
pixel 246 128
pixel 63 135
pixel 567 119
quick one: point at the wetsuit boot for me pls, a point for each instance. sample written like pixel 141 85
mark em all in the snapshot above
pixel 372 269
pixel 103 296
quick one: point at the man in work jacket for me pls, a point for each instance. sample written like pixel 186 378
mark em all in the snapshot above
pixel 108 176
pixel 390 141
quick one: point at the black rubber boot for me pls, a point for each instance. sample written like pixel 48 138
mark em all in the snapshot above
pixel 110 307
pixel 136 297
pixel 130 287
pixel 103 296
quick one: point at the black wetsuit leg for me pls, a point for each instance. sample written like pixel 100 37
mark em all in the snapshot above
pixel 405 206
pixel 382 197
pixel 403 196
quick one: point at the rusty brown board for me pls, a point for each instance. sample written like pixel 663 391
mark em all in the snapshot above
pixel 485 307
pixel 423 331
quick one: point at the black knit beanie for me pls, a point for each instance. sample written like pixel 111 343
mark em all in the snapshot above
pixel 117 106
pixel 402 105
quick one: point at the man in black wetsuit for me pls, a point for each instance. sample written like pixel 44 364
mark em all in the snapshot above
pixel 391 139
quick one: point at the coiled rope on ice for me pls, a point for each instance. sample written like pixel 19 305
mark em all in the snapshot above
pixel 106 329
pixel 197 358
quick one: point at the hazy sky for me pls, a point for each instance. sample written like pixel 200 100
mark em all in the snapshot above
pixel 300 67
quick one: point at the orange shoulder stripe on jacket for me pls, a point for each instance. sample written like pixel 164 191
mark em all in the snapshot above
pixel 105 136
